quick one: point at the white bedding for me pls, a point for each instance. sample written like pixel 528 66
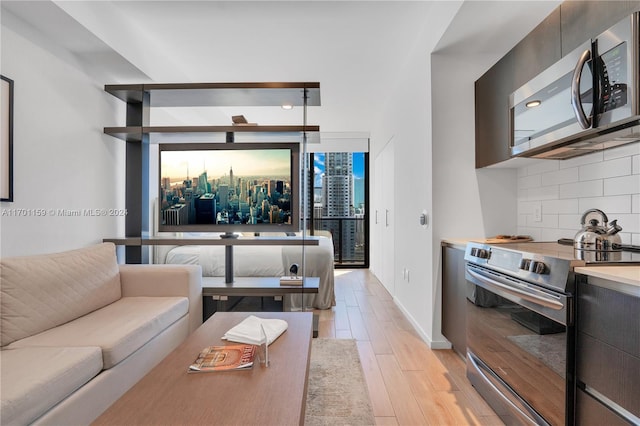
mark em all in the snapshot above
pixel 267 261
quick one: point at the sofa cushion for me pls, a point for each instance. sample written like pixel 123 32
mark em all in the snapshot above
pixel 36 379
pixel 43 291
pixel 119 329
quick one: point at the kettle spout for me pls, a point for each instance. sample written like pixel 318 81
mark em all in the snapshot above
pixel 613 227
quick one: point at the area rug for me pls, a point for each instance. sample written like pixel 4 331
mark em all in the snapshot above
pixel 337 393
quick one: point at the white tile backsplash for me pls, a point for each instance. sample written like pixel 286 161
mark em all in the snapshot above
pixel 605 169
pixel 613 204
pixel 548 221
pixel 533 181
pixel 622 185
pixel 607 180
pixel 592 188
pixel 542 168
pixel 560 206
pixel 560 176
pixel 570 221
pixel 543 193
pixel 535 233
pixel 630 223
pixel 550 234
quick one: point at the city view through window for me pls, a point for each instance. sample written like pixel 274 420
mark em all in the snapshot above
pixel 339 204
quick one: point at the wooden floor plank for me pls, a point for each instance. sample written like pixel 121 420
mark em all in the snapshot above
pixel 341 318
pixel 404 403
pixel 358 329
pixel 380 401
pixel 409 384
pixel 378 339
pixel 433 409
pixel 386 421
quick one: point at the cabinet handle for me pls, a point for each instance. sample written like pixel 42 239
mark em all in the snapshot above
pixel 386 218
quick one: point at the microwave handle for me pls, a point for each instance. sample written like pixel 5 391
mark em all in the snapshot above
pixel 583 120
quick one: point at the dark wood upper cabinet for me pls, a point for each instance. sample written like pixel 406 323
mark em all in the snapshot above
pixel 581 20
pixel 535 53
pixel 540 49
pixel 563 30
pixel 491 113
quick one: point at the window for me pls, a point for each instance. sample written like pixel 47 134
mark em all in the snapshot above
pixel 340 202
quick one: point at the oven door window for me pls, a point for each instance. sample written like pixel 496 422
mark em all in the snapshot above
pixel 526 350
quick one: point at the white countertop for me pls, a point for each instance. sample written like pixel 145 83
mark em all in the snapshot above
pixel 627 276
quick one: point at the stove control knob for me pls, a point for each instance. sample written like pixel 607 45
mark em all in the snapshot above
pixel 539 268
pixel 525 264
pixel 480 253
pixel 483 253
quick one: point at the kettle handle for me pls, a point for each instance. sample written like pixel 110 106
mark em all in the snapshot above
pixel 605 219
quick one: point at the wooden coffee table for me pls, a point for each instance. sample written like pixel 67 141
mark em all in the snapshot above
pixel 274 395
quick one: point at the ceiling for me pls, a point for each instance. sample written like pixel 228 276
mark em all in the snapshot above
pixel 355 49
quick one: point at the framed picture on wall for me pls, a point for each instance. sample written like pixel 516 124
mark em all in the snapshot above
pixel 6 139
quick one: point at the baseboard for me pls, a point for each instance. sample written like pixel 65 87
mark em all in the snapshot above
pixel 433 344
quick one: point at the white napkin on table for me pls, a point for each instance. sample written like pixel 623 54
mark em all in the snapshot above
pixel 249 330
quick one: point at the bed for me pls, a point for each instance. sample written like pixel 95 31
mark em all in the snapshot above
pixel 264 261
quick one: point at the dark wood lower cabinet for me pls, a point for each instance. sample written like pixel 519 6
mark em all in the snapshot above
pixel 590 412
pixel 454 299
pixel 607 352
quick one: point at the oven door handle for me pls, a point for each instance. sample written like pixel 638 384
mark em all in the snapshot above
pixel 518 406
pixel 526 293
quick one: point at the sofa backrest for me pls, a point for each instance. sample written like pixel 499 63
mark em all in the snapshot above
pixel 43 291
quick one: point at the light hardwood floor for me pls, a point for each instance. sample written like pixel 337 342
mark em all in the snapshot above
pixel 409 384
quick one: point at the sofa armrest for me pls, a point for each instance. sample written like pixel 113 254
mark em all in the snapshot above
pixel 166 280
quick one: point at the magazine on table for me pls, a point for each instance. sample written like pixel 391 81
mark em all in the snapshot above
pixel 225 357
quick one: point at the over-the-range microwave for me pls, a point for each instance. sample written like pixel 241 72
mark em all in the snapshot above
pixel 587 101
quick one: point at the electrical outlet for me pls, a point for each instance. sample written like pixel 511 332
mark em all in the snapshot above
pixel 537 212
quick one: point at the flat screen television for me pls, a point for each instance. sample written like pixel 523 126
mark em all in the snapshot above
pixel 229 187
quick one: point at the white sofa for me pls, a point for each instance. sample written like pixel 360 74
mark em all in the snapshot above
pixel 78 330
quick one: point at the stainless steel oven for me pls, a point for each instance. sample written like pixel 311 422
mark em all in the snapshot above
pixel 520 335
pixel 520 325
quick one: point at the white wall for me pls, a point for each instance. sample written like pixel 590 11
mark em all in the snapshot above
pixel 565 189
pixel 407 120
pixel 62 160
pixel 467 203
